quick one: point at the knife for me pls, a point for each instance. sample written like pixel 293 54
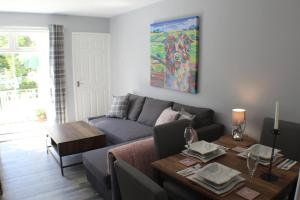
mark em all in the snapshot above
pixel 288 167
pixel 283 163
pixel 287 164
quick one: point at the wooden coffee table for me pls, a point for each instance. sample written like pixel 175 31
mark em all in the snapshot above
pixel 268 190
pixel 73 138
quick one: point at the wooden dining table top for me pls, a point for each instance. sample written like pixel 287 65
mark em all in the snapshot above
pixel 268 190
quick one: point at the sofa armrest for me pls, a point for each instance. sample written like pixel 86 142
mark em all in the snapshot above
pixel 114 186
pixel 211 132
pixel 96 117
pixel 139 154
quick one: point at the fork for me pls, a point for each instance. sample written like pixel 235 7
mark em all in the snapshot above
pixel 289 165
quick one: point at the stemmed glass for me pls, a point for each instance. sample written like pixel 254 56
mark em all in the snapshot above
pixel 190 136
pixel 252 162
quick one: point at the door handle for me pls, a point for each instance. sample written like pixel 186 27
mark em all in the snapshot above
pixel 78 83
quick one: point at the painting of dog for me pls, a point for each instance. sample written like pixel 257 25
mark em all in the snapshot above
pixel 174 54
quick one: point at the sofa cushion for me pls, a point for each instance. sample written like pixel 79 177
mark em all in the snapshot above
pixel 168 115
pixel 119 107
pixel 151 110
pixel 120 130
pixel 186 115
pixel 135 106
pixel 95 162
pixel 204 116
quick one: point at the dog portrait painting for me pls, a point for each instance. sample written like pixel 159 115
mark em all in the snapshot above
pixel 174 54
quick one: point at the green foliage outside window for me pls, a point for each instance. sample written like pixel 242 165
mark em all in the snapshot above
pixel 21 69
pixel 25 41
pixel 3 41
pixel 17 71
pixel 28 84
pixel 5 62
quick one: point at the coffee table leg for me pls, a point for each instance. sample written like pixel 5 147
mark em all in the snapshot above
pixel 61 166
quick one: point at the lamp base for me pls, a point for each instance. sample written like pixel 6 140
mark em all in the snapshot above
pixel 269 177
pixel 237 135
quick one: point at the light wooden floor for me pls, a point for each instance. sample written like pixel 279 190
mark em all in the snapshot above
pixel 28 173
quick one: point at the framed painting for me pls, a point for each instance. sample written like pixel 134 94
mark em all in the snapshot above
pixel 175 54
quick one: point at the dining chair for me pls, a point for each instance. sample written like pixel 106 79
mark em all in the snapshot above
pixel 169 140
pixel 134 185
pixel 286 140
pixel 297 194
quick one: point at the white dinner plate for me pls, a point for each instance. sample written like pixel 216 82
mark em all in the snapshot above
pixel 262 151
pixel 217 173
pixel 203 147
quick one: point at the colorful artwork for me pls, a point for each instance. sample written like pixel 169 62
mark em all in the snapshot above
pixel 175 53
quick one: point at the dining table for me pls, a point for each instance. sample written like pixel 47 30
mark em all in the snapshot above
pixel 267 190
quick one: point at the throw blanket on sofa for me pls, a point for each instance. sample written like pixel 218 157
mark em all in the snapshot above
pixel 139 154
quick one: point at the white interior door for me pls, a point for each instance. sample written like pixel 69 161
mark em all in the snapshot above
pixel 91 68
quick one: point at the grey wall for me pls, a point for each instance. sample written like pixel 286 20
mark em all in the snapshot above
pixel 250 56
pixel 71 24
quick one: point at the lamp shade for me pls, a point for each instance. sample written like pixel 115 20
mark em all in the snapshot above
pixel 238 116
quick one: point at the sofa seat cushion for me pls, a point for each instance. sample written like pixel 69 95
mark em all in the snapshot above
pixel 120 130
pixel 135 106
pixel 152 109
pixel 204 116
pixel 95 162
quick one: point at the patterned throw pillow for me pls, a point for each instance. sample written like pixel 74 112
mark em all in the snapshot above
pixel 168 115
pixel 119 107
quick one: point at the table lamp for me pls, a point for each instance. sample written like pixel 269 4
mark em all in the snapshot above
pixel 238 123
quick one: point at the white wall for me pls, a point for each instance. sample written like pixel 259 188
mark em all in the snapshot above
pixel 71 24
pixel 249 56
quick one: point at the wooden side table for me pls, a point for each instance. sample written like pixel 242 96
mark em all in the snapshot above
pixel 73 138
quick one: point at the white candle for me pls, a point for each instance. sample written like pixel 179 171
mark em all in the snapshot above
pixel 276 123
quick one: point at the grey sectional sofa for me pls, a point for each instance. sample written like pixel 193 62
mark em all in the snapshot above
pixel 142 115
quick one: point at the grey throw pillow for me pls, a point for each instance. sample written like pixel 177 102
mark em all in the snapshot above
pixel 119 107
pixel 185 115
pixel 152 108
pixel 135 106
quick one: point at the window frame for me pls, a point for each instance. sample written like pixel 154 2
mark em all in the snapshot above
pixel 12 39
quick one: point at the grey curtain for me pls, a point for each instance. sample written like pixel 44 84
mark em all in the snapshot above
pixel 57 70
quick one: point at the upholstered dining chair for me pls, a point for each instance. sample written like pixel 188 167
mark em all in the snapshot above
pixel 297 194
pixel 169 140
pixel 288 140
pixel 134 185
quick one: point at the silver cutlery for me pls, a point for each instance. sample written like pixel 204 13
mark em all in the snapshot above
pixel 287 164
pixel 287 167
pixel 283 163
pixel 189 170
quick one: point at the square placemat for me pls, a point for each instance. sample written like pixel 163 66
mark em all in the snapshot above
pixel 248 193
pixel 188 162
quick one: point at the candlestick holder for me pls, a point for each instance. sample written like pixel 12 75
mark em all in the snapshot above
pixel 268 176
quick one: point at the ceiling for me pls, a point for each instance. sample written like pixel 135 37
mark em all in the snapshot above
pixel 93 8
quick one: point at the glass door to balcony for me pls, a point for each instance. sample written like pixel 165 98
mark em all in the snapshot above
pixel 24 80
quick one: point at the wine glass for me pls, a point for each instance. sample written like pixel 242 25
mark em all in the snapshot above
pixel 252 162
pixel 190 136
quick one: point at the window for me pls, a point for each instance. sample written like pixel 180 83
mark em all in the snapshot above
pixel 26 40
pixel 24 74
pixel 22 59
pixel 4 40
